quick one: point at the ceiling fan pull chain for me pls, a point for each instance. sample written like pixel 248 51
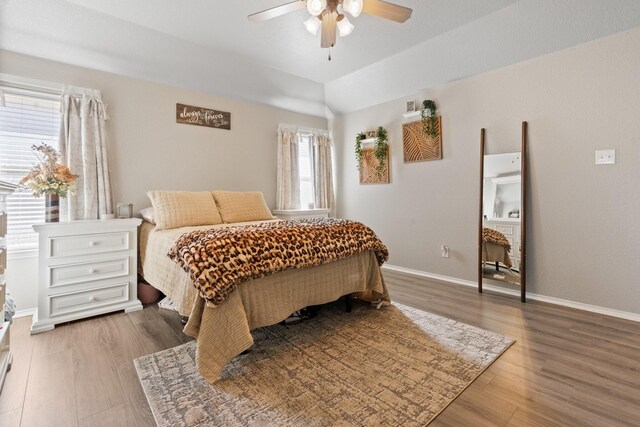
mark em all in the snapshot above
pixel 329 54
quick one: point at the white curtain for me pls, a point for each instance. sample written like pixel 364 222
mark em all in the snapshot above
pixel 83 148
pixel 288 175
pixel 322 173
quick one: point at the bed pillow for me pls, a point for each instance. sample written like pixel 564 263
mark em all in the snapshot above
pixel 148 215
pixel 241 206
pixel 175 209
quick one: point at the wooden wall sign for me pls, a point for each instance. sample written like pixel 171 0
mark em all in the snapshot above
pixel 199 116
pixel 417 146
pixel 369 173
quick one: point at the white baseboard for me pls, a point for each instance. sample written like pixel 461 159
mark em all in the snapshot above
pixel 635 317
pixel 25 313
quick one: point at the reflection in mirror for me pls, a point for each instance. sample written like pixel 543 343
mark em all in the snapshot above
pixel 501 207
pixel 502 180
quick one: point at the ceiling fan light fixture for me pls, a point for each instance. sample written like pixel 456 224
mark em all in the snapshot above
pixel 344 26
pixel 329 17
pixel 354 7
pixel 313 25
pixel 315 7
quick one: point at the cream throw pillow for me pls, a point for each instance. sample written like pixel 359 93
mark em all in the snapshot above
pixel 175 209
pixel 237 206
pixel 148 215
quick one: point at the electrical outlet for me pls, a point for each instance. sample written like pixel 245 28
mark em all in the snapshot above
pixel 444 251
pixel 605 157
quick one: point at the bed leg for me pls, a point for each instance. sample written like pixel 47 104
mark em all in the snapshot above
pixel 347 300
pixel 497 266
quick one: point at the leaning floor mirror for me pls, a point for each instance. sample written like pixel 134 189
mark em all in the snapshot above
pixel 501 234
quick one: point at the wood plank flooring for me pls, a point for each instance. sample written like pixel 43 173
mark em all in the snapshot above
pixel 567 368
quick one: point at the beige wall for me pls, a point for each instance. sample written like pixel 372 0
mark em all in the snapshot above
pixel 584 241
pixel 583 224
pixel 149 150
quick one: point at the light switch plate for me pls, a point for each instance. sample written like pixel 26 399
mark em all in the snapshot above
pixel 605 157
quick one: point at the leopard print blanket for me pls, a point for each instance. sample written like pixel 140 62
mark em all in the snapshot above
pixel 219 259
pixel 490 235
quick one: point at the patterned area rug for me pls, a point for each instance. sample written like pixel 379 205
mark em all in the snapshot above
pixel 393 366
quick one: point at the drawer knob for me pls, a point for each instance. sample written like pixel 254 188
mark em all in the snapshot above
pixel 92 298
pixel 91 271
pixel 92 243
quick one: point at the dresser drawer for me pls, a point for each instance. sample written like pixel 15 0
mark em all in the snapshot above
pixel 88 244
pixel 86 300
pixel 85 272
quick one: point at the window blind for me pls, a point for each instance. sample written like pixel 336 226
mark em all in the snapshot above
pixel 27 117
pixel 305 153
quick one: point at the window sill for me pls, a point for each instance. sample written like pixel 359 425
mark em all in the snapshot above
pixel 301 211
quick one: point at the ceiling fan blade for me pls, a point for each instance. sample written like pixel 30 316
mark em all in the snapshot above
pixel 386 10
pixel 328 31
pixel 274 12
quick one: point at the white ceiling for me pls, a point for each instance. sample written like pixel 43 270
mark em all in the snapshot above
pixel 283 43
pixel 210 46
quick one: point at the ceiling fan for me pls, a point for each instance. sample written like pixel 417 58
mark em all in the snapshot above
pixel 330 15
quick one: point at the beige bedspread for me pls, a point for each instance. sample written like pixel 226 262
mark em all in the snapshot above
pixel 492 252
pixel 225 331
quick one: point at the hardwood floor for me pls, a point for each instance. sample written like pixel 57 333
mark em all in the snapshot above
pixel 567 368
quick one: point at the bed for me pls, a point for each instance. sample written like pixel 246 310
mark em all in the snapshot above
pixel 223 331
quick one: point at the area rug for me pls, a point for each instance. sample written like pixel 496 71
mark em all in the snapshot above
pixel 392 366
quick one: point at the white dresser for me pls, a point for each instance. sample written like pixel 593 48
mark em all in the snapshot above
pixel 302 214
pixel 85 268
pixel 512 231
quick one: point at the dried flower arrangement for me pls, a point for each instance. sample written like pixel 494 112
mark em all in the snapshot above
pixel 49 176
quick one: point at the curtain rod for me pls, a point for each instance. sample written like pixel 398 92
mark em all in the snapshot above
pixel 304 129
pixel 80 91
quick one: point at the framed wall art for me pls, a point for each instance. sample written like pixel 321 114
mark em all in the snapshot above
pixel 411 106
pixel 370 170
pixel 418 144
pixel 200 116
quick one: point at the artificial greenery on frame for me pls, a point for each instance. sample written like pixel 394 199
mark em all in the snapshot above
pixel 379 149
pixel 359 138
pixel 429 119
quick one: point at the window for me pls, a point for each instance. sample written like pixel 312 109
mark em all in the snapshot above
pixel 304 177
pixel 305 159
pixel 28 117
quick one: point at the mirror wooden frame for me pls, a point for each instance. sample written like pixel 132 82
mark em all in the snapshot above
pixel 523 214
